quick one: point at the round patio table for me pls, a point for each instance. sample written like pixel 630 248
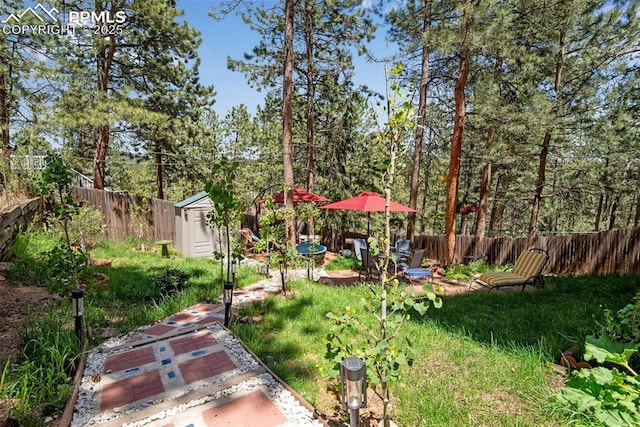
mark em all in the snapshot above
pixel 309 250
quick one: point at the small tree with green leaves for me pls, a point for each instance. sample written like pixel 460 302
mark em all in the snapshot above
pixel 140 220
pixel 227 209
pixel 273 224
pixel 393 299
pixel 68 267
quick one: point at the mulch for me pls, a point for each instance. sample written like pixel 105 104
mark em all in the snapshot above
pixel 340 281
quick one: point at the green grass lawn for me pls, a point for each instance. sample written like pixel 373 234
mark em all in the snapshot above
pixel 484 358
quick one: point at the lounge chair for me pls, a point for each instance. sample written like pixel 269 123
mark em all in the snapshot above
pixel 526 271
pixel 250 239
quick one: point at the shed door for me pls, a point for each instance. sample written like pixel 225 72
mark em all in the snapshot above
pixel 201 235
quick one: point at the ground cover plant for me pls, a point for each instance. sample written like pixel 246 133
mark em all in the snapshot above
pixel 484 358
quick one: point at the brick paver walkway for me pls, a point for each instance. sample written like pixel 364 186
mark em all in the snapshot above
pixel 185 371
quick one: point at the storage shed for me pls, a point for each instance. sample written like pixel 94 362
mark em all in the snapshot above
pixel 194 236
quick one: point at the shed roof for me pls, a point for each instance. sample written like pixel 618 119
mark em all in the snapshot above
pixel 186 202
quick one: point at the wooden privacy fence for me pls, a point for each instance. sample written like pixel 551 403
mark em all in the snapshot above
pixel 615 251
pixel 117 209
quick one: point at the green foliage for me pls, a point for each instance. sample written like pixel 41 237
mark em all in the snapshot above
pixel 86 227
pixel 67 270
pixel 463 273
pixel 624 325
pixel 227 208
pixel 381 353
pixel 605 394
pixel 273 226
pixel 41 379
pixel 170 282
pixel 28 253
pixel 140 220
pixel 456 380
pixel 341 263
pixel 220 187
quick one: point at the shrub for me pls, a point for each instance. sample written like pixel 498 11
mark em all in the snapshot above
pixel 624 326
pixel 86 227
pixel 464 273
pixel 170 282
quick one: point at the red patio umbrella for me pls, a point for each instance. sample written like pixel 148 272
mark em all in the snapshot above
pixel 368 202
pixel 299 196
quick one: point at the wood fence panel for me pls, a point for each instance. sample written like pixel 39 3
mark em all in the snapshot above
pixel 117 211
pixel 616 251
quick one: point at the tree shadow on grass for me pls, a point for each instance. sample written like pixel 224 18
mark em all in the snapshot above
pixel 551 319
pixel 281 351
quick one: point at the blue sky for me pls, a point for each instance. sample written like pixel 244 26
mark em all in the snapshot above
pixel 232 37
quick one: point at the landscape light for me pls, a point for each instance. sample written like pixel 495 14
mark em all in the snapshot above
pixel 353 378
pixel 77 299
pixel 227 297
pixel 282 276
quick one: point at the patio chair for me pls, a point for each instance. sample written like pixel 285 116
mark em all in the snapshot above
pixel 414 262
pixel 526 271
pixel 357 245
pixel 414 269
pixel 401 249
pixel 369 267
pixel 250 239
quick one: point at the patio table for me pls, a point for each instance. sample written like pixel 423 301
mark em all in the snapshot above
pixel 309 250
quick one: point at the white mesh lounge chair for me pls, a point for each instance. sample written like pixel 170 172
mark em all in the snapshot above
pixel 526 271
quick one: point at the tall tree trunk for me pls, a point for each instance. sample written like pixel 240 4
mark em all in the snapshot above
pixel 614 211
pixel 483 204
pixel 311 93
pixel 596 222
pixel 287 121
pixel 422 112
pixel 456 140
pixel 636 219
pixel 542 164
pixel 425 196
pixel 104 58
pixel 100 157
pixel 485 184
pixel 5 115
pixel 159 171
pixel 537 198
pixel 497 212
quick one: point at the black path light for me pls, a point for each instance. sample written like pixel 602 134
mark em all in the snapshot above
pixel 283 272
pixel 227 298
pixel 353 378
pixel 77 299
pixel 234 270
